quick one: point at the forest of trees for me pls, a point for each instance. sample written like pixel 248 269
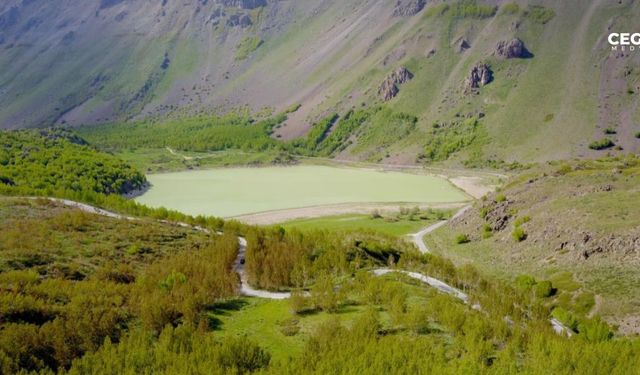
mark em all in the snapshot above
pixel 55 160
pixel 207 133
pixel 71 280
pixel 85 294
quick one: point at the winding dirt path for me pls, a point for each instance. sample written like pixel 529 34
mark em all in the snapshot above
pixel 418 238
pixel 247 290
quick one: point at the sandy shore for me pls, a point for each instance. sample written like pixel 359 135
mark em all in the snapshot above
pixel 279 216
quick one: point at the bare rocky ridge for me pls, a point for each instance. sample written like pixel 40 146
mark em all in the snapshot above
pixel 389 87
pixel 480 75
pixel 512 49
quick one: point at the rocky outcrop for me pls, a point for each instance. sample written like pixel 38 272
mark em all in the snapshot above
pixel 389 87
pixel 512 49
pixel 242 20
pixel 408 8
pixel 243 4
pixel 585 244
pixel 480 75
pixel 461 45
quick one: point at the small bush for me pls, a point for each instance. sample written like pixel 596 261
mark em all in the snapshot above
pixel 540 14
pixel 563 170
pixel 484 211
pixel 595 330
pixel 610 131
pixel 638 135
pixel 519 234
pixel 544 289
pixel 500 198
pixel 487 231
pixel 293 108
pixel 462 239
pixel 565 317
pixel 602 144
pixel 549 117
pixel 525 282
pixel 510 8
pixel 521 220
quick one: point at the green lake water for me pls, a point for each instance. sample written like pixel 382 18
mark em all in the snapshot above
pixel 237 191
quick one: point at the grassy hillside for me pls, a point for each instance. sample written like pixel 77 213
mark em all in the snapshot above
pixel 331 58
pixel 572 223
pixel 143 293
pixel 85 293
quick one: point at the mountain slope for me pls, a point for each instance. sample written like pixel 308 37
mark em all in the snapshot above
pixel 73 63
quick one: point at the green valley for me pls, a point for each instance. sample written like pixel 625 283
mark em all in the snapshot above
pixel 319 187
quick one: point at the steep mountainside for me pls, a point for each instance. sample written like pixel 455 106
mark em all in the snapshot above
pixel 538 76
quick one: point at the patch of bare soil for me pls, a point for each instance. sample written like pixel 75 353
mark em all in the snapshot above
pixel 629 325
pixel 476 187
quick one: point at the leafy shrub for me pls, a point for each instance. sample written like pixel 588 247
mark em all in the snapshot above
pixel 566 318
pixel 638 135
pixel 525 282
pixel 521 220
pixel 540 14
pixel 584 302
pixel 484 211
pixel 298 302
pixel 602 144
pixel 549 117
pixel 564 169
pixel 462 238
pixel 293 108
pixel 487 231
pixel 544 289
pixel 519 234
pixel 501 198
pixel 595 330
pixel 471 9
pixel 610 131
